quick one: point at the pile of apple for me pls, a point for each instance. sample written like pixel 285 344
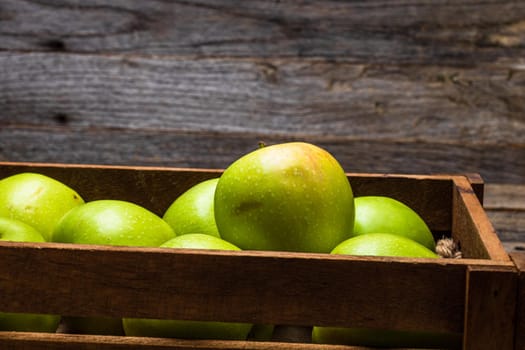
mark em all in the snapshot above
pixel 286 197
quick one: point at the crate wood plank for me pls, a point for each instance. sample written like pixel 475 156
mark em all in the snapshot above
pixel 505 207
pixel 519 260
pixel 301 97
pixel 509 225
pixel 437 32
pixel 156 187
pixel 240 286
pixel 42 341
pixel 206 112
pixel 491 308
pixel 218 150
pixel 505 197
pixel 471 226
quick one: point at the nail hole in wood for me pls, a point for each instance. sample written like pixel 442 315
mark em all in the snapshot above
pixel 54 45
pixel 61 118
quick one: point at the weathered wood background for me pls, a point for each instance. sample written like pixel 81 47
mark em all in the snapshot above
pixel 386 86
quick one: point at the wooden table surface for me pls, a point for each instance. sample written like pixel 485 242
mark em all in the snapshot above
pixel 393 87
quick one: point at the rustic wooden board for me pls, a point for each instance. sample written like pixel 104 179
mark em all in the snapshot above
pixel 286 277
pixel 253 286
pixel 313 97
pixel 471 226
pixel 36 341
pixel 505 206
pixel 519 260
pixel 397 87
pixel 218 150
pixel 240 286
pixel 491 302
pixel 437 32
pixel 155 188
pixel 207 112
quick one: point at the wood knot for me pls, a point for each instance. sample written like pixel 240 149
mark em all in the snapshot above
pixel 269 72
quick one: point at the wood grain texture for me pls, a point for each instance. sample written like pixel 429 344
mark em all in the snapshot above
pixel 155 187
pixel 243 286
pixel 459 32
pixel 471 227
pixel 222 279
pixel 491 309
pixel 386 86
pixel 505 206
pixel 519 260
pixel 207 112
pixel 217 150
pixel 41 341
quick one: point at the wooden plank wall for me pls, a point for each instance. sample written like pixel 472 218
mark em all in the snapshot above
pixel 386 86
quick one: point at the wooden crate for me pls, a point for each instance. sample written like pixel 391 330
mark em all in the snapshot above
pixel 474 296
pixel 519 260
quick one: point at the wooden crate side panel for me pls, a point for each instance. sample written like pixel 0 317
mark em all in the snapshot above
pixel 471 226
pixel 519 260
pixel 155 188
pixel 490 308
pixel 430 196
pixel 233 286
pixel 36 341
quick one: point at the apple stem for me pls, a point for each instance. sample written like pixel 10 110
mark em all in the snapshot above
pixel 262 144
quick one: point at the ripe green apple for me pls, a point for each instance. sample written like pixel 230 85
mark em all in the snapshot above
pixel 199 241
pixel 292 196
pixel 385 338
pixel 112 222
pixel 18 231
pixel 384 244
pixel 15 230
pixel 109 222
pixel 374 214
pixel 192 211
pixel 185 328
pixel 36 199
pixel 27 322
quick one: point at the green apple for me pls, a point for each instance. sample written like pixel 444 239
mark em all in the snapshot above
pixel 292 196
pixel 185 328
pixel 112 222
pixel 384 338
pixel 192 211
pixel 36 199
pixel 375 214
pixel 15 230
pixel 26 322
pixel 384 244
pixel 92 325
pixel 18 231
pixel 109 222
pixel 199 241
